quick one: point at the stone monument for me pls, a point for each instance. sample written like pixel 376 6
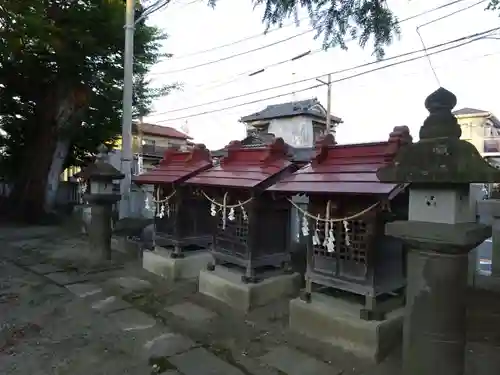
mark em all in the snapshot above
pixel 439 234
pixel 99 177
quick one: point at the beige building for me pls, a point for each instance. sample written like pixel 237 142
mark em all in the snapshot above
pixel 481 128
pixel 299 123
pixel 149 143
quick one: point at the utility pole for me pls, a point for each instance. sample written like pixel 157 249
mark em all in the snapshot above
pixel 128 82
pixel 328 83
pixel 329 104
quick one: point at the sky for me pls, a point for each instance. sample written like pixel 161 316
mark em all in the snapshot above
pixel 371 105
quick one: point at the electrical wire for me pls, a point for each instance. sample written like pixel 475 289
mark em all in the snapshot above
pixel 436 20
pixel 250 37
pixel 252 72
pixel 234 55
pixel 333 73
pixel 452 13
pixel 249 73
pixel 446 65
pixel 157 5
pixel 475 37
pixel 245 39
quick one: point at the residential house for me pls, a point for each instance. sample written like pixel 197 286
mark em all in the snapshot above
pixel 299 123
pixel 149 143
pixel 481 128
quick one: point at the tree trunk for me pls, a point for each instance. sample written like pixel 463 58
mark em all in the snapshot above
pixel 29 188
pixel 55 171
pixel 59 109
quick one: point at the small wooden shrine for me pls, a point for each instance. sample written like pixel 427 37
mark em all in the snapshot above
pixel 182 216
pixel 344 220
pixel 252 227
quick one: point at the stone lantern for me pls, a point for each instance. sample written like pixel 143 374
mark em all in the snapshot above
pixel 101 198
pixel 439 233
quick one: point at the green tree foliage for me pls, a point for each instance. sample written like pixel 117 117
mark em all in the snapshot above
pixel 336 21
pixel 61 75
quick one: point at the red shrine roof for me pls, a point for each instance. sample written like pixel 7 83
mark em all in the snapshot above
pixel 346 168
pixel 247 167
pixel 177 166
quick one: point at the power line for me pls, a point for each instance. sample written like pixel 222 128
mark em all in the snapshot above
pixel 245 39
pixel 469 60
pixel 452 13
pixel 157 5
pixel 249 73
pixel 235 55
pixel 250 37
pixel 432 10
pixel 436 20
pixel 477 36
pixel 308 53
pixel 322 75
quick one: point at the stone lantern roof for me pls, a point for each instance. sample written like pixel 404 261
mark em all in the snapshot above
pixel 440 156
pixel 101 169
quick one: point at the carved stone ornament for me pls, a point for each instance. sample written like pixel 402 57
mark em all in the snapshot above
pixel 440 156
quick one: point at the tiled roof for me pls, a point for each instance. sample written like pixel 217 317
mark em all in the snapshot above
pixel 469 111
pixel 159 131
pixel 177 167
pixel 252 167
pixel 346 168
pixel 309 107
pixel 474 111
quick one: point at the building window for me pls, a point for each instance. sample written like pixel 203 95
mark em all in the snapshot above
pixel 319 130
pixel 148 142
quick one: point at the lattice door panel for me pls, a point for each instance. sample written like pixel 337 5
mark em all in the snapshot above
pixel 234 237
pixel 196 219
pixel 352 241
pixel 166 224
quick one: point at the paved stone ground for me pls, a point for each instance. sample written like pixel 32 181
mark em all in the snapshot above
pixel 62 315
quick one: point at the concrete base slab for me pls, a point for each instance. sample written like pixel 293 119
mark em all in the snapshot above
pixel 162 264
pixel 292 362
pixel 129 250
pixel 132 320
pixel 167 345
pixel 336 322
pixel 200 361
pixel 225 285
pixel 110 304
pixel 44 269
pixel 66 278
pixel 84 290
pixel 191 312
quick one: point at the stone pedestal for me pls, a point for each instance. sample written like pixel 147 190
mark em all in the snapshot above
pixel 100 231
pixel 129 249
pixel 336 322
pixel 161 263
pixel 435 313
pixel 492 207
pixel 225 285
